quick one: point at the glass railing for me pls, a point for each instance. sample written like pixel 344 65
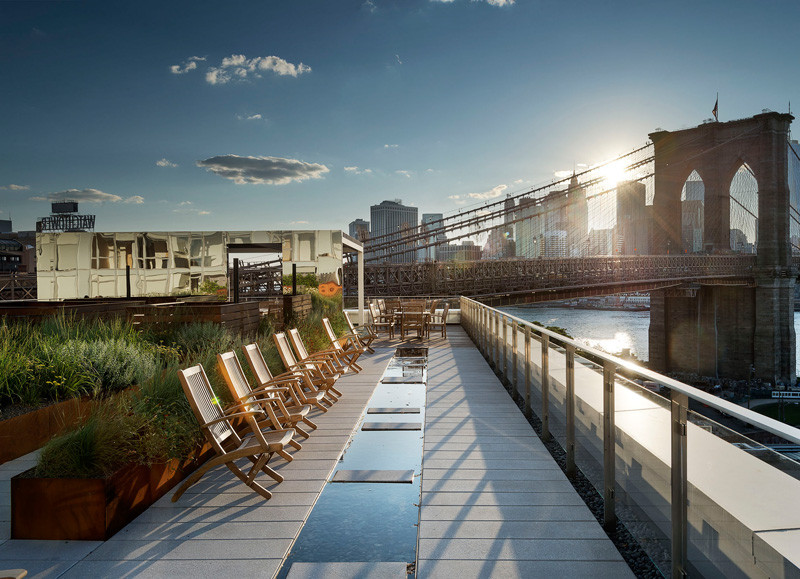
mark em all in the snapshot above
pixel 701 498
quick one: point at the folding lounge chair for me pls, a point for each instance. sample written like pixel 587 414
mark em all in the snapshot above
pixel 365 334
pixel 336 365
pixel 268 397
pixel 348 347
pixel 302 393
pixel 322 380
pixel 218 431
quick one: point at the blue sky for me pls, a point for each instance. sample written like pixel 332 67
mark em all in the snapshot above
pixel 278 114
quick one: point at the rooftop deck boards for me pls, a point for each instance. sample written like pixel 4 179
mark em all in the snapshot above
pixel 494 503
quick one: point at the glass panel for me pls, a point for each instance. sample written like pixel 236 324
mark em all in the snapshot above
pixel 124 253
pixel 735 500
pixel 102 251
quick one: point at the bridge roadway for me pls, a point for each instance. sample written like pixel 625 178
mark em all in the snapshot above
pixel 494 503
pixel 508 281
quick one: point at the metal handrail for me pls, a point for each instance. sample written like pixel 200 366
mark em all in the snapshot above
pixel 484 325
pixel 749 416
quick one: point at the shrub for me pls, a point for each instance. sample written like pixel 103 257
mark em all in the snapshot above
pixel 98 448
pixel 114 364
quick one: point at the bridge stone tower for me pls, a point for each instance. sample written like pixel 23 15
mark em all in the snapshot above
pixel 714 329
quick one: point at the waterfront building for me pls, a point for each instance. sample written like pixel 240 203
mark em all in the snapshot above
pixel 398 221
pixel 602 242
pixel 499 244
pixel 529 230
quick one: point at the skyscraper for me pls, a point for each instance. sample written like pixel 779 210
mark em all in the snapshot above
pixel 632 226
pixel 359 229
pixel 431 221
pixel 397 221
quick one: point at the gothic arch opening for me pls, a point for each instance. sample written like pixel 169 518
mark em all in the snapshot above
pixel 692 213
pixel 744 210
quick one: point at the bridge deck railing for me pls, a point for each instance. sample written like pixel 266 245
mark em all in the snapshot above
pixel 701 498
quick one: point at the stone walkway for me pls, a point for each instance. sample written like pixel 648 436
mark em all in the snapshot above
pixel 494 503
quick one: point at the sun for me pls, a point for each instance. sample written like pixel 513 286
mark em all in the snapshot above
pixel 612 173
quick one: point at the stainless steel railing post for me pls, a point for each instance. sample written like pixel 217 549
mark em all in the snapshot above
pixel 609 446
pixel 514 332
pixel 545 388
pixel 528 371
pixel 571 468
pixel 680 403
pixel 504 338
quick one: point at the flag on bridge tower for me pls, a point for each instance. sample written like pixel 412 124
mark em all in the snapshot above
pixel 716 109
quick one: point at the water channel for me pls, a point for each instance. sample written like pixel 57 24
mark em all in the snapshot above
pixel 609 330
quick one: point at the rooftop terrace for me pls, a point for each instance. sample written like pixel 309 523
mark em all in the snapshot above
pixel 493 501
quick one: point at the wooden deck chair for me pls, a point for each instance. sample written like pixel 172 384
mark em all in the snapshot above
pixel 439 321
pixel 218 431
pixel 320 380
pixel 379 322
pixel 365 333
pixel 348 347
pixel 336 366
pixel 268 397
pixel 302 393
pixel 332 356
pixel 413 320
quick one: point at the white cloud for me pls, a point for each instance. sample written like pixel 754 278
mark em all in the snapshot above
pixel 253 117
pixel 164 162
pixel 391 146
pixel 80 195
pixel 301 222
pixel 239 67
pixel 12 187
pixel 357 171
pixel 369 5
pixel 454 196
pixel 491 194
pixel 188 65
pixel 406 174
pixel 88 196
pixel 397 57
pixel 262 170
pixel 186 208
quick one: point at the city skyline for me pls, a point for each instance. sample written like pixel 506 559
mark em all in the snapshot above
pixel 202 116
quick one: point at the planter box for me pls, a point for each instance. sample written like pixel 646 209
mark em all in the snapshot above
pixel 239 318
pixel 22 434
pixel 92 509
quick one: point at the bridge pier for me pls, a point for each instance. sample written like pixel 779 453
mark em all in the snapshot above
pixel 723 331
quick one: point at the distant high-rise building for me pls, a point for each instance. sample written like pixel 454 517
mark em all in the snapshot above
pixel 692 217
pixel 467 251
pixel 431 222
pixel 397 221
pixel 632 227
pixel 499 244
pixel 556 225
pixel 5 226
pixel 359 229
pixel 602 242
pixel 794 174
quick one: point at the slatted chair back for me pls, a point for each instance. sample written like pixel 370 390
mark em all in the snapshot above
pixel 285 350
pixel 432 310
pixel 381 303
pixel 297 343
pixel 234 376
pixel 206 407
pixel 255 359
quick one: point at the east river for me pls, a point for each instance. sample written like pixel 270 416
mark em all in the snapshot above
pixel 610 330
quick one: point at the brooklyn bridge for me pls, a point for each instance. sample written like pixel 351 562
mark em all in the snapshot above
pixel 705 219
